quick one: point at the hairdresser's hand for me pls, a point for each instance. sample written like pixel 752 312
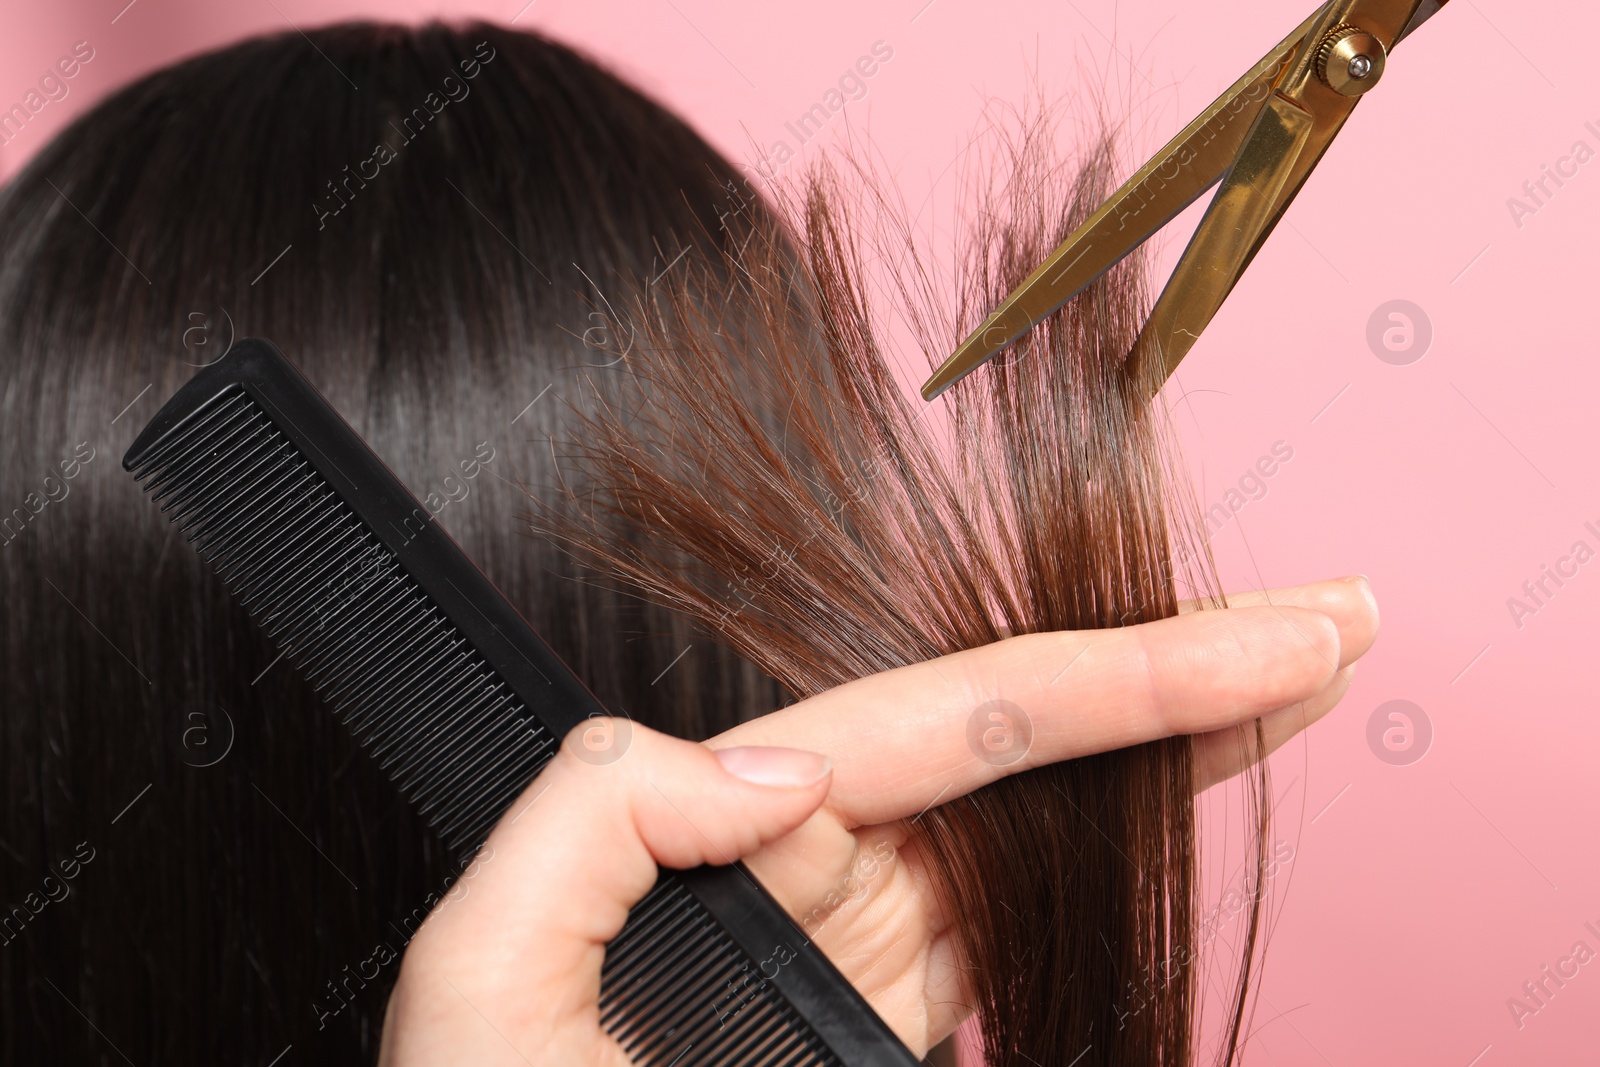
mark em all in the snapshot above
pixel 902 741
pixel 510 972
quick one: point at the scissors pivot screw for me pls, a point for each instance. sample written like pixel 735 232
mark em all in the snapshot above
pixel 1350 60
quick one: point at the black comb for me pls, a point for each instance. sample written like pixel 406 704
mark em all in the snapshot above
pixel 443 682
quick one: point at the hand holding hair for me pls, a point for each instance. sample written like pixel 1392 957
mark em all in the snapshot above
pixel 819 799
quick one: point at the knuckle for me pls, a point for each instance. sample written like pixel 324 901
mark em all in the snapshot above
pixel 1144 665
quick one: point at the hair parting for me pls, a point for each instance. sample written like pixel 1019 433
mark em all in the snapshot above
pixel 842 539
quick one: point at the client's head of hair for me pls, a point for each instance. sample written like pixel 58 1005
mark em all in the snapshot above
pixel 199 865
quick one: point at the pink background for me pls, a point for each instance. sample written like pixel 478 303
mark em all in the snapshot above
pixel 1424 895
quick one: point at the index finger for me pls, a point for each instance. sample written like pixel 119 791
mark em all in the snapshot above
pixel 919 735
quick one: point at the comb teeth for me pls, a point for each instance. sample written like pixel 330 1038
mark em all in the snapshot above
pixel 345 614
pixel 453 735
pixel 732 1017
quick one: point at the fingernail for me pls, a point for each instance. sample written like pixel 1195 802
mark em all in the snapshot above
pixel 788 768
pixel 1359 578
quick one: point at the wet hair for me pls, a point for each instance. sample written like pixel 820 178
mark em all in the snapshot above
pixel 862 535
pixel 197 865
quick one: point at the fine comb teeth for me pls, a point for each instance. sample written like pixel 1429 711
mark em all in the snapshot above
pixel 462 704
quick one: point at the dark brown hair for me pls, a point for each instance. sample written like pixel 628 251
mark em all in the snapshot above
pixel 846 541
pixel 197 865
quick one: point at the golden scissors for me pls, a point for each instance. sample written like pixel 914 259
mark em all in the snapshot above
pixel 1261 139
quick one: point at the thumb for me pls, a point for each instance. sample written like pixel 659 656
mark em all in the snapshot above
pixel 621 798
pixel 577 850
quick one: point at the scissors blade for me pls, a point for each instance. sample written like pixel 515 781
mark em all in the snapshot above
pixel 1175 177
pixel 1272 166
pixel 1425 11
